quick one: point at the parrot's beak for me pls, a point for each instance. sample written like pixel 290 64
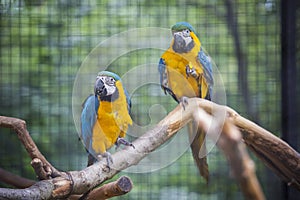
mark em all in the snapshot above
pixel 179 40
pixel 99 88
pixel 182 44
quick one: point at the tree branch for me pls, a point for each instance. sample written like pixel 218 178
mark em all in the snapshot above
pixel 116 188
pixel 279 156
pixel 79 182
pixel 230 142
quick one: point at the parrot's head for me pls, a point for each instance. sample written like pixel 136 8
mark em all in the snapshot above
pixel 184 37
pixel 105 86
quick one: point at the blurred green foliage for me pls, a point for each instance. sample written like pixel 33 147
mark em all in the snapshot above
pixel 43 44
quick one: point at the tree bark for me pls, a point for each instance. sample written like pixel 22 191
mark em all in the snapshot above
pixel 277 154
pixel 116 188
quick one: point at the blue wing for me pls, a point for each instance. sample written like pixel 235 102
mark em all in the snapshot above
pixel 128 101
pixel 206 62
pixel 88 119
pixel 162 73
pixel 164 79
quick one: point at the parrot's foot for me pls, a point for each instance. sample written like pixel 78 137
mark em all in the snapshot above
pixel 124 142
pixel 184 101
pixel 190 71
pixel 108 157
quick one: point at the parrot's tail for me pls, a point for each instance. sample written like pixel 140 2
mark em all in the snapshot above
pixel 198 146
pixel 91 160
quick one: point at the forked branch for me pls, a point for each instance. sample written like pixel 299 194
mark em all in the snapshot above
pixel 266 145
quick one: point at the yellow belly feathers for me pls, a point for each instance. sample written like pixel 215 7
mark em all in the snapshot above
pixel 112 121
pixel 178 81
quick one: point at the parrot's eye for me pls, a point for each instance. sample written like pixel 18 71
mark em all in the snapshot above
pixel 101 78
pixel 186 33
pixel 110 81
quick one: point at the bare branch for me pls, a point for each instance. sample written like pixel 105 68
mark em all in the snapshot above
pixel 40 169
pixel 79 182
pixel 116 188
pixel 243 168
pixel 279 156
pixel 230 142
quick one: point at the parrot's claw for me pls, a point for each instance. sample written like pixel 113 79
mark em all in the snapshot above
pixel 124 142
pixel 108 157
pixel 190 71
pixel 184 101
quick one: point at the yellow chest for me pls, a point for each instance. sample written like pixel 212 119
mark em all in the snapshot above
pixel 113 117
pixel 112 122
pixel 179 82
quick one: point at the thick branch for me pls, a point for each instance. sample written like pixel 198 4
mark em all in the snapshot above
pixel 274 152
pixel 116 188
pixel 79 182
pixel 230 142
pixel 243 167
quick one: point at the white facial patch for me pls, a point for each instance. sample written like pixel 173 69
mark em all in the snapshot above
pixel 185 35
pixel 110 84
pixel 187 40
pixel 110 89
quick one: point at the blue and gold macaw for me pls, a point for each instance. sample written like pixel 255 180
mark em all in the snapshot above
pixel 186 71
pixel 105 117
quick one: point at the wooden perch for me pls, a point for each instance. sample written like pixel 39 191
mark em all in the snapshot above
pixel 230 142
pixel 285 163
pixel 280 157
pixel 116 188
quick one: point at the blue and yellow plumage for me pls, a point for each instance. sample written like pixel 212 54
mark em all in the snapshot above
pixel 186 71
pixel 105 116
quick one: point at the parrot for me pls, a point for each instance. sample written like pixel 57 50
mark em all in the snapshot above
pixel 185 71
pixel 105 117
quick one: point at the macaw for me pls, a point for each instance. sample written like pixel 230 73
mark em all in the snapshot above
pixel 105 117
pixel 186 71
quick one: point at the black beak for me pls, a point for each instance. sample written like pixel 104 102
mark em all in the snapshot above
pixel 99 88
pixel 179 41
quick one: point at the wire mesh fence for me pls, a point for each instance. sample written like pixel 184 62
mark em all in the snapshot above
pixel 47 45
